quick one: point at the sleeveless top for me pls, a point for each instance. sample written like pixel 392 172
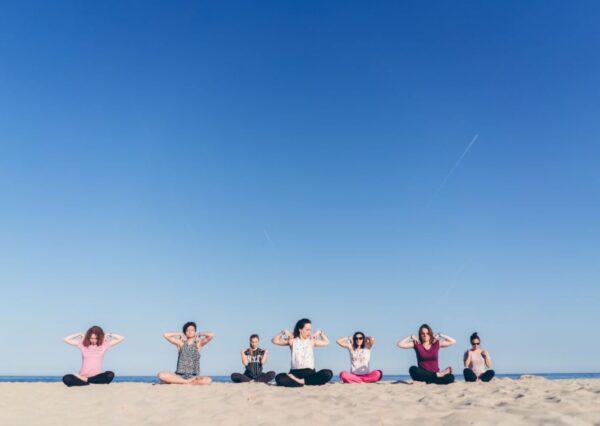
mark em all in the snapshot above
pixel 188 361
pixel 477 364
pixel 302 354
pixel 427 359
pixel 359 360
pixel 254 367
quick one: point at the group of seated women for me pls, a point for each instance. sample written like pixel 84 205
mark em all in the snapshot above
pixel 94 343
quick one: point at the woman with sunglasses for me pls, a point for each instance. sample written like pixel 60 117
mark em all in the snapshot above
pixel 359 347
pixel 302 344
pixel 478 362
pixel 427 347
pixel 93 345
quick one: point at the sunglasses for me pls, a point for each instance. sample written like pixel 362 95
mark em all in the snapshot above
pixel 475 343
pixel 359 338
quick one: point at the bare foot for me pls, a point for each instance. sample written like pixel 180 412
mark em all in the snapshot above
pixel 200 381
pixel 445 372
pixel 294 378
pixel 415 382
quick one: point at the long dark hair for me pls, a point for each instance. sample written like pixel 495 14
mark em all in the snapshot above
pixel 94 330
pixel 426 326
pixel 364 341
pixel 300 325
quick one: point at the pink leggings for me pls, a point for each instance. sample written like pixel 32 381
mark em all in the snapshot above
pixel 372 377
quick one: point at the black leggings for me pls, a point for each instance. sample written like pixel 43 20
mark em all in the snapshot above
pixel 470 376
pixel 244 378
pixel 310 376
pixel 420 375
pixel 99 379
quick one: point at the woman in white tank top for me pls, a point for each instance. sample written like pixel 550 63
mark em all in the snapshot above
pixel 302 344
pixel 359 348
pixel 302 353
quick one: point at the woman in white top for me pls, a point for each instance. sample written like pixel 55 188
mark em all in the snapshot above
pixel 478 362
pixel 359 347
pixel 301 344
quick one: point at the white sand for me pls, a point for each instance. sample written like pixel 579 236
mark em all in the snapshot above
pixel 504 401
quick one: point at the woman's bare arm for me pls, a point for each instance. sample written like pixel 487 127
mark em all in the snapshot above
pixel 320 339
pixel 174 338
pixel 344 342
pixel 467 358
pixel 488 359
pixel 205 338
pixel 369 341
pixel 446 341
pixel 407 343
pixel 244 357
pixel 115 339
pixel 283 338
pixel 73 339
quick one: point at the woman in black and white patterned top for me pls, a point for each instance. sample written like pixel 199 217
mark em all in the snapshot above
pixel 189 344
pixel 253 359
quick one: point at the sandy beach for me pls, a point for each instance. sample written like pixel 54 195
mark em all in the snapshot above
pixel 504 401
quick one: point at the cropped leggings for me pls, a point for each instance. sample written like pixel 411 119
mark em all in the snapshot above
pixel 99 379
pixel 310 376
pixel 244 378
pixel 420 375
pixel 470 376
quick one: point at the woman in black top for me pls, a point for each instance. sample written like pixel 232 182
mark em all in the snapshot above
pixel 253 359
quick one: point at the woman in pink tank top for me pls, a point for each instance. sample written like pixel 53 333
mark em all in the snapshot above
pixel 478 362
pixel 426 348
pixel 93 345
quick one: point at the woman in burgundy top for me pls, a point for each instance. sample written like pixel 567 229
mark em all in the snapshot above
pixel 427 347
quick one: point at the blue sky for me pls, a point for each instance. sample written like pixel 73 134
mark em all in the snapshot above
pixel 246 164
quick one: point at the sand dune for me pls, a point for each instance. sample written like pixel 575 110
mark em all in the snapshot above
pixel 502 402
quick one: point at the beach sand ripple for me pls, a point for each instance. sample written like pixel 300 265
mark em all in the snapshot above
pixel 527 401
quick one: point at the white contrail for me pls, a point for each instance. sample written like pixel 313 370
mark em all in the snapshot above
pixel 458 161
pixel 456 164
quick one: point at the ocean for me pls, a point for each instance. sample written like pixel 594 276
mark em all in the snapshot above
pixel 225 379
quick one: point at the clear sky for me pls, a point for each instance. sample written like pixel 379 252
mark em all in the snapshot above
pixel 246 164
